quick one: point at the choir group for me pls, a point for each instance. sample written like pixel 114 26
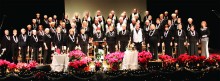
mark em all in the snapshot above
pixel 47 34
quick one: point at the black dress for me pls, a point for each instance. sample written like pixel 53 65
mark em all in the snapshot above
pixel 47 39
pixel 71 41
pixel 193 40
pixel 14 47
pixel 154 39
pixel 167 39
pixel 23 44
pixel 124 37
pixel 58 40
pixel 83 41
pixel 180 38
pixel 6 44
pixel 111 40
pixel 35 46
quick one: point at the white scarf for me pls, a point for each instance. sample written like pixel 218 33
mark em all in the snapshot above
pixel 15 38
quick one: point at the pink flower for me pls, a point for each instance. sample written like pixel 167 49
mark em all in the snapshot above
pixel 115 57
pixel 32 64
pixel 23 66
pixel 4 62
pixel 58 51
pixel 76 54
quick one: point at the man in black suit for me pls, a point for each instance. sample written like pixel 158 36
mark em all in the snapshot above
pixel 55 20
pixel 23 44
pixel 99 15
pixel 154 39
pixel 78 22
pixel 135 12
pixel 124 38
pixel 29 34
pixel 147 13
pixel 83 41
pixel 35 45
pixel 34 24
pixel 45 22
pixel 48 42
pixel 6 46
pixel 14 46
pixel 67 22
pixel 38 20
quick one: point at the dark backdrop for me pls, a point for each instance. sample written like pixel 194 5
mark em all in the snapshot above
pixel 197 9
pixel 19 13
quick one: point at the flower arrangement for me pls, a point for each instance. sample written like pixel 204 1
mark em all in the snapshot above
pixel 11 66
pixel 212 60
pixel 114 60
pixel 183 59
pixel 26 66
pixel 76 54
pixel 144 57
pixel 167 60
pixel 196 59
pixel 3 66
pixel 4 63
pixel 79 61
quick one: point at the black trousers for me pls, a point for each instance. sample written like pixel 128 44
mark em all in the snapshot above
pixel 180 48
pixel 154 49
pixel 15 54
pixel 123 45
pixel 47 56
pixel 35 53
pixel 84 49
pixel 168 48
pixel 111 46
pixel 23 53
pixel 146 42
pixel 193 48
pixel 138 46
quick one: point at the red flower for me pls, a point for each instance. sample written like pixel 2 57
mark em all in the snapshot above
pixel 98 64
pixel 11 66
pixel 144 57
pixel 183 58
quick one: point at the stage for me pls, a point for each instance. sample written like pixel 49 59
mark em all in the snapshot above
pixel 163 74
